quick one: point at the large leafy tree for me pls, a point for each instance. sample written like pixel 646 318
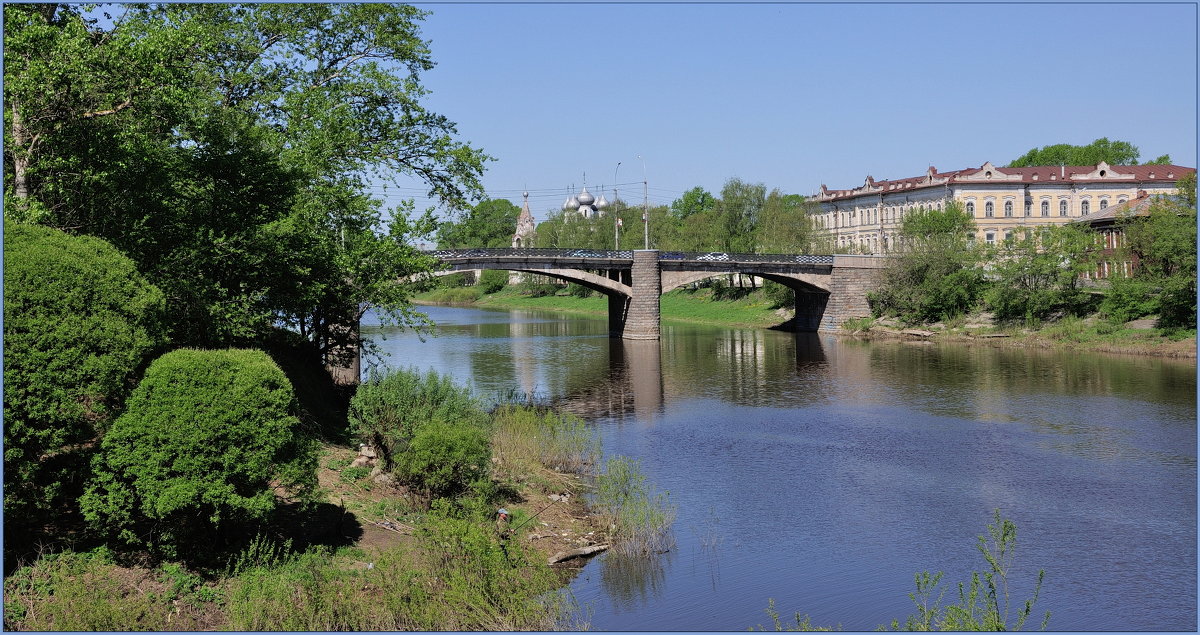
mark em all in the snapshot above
pixel 738 212
pixel 230 151
pixel 1112 152
pixel 693 201
pixel 489 223
pixel 784 225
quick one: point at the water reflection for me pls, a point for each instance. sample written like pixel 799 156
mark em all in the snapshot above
pixel 632 582
pixel 633 385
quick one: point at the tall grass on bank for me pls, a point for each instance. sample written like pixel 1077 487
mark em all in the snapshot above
pixel 459 577
pixel 83 592
pixel 527 439
pixel 639 518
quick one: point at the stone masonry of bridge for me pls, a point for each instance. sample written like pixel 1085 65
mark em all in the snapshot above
pixel 829 289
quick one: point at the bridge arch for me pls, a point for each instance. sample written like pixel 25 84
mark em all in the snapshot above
pixel 593 281
pixel 800 282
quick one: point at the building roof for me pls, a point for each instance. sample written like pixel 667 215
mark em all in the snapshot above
pixel 988 173
pixel 1139 206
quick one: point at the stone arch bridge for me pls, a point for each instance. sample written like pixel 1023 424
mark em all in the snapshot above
pixel 829 289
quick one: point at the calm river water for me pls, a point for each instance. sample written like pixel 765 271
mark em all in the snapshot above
pixel 824 473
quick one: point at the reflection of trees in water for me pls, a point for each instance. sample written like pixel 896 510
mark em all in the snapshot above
pixel 632 581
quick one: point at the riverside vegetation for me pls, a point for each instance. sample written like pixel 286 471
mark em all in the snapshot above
pixel 246 562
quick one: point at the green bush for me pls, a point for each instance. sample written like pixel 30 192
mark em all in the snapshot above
pixel 454 280
pixel 641 518
pixel 780 296
pixel 493 280
pixel 534 289
pixel 207 439
pixel 1128 299
pixel 79 322
pixel 579 291
pixel 389 408
pixel 444 459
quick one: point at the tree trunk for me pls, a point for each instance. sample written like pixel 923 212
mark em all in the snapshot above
pixel 20 154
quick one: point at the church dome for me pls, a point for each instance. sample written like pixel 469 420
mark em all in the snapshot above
pixel 585 198
pixel 601 203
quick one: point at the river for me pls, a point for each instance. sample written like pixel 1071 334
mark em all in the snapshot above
pixel 824 472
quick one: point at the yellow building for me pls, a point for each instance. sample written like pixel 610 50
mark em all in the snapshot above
pixel 1003 201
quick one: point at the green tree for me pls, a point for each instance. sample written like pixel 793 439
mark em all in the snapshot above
pixel 1165 245
pixel 79 323
pixel 738 214
pixel 489 223
pixel 693 201
pixel 936 275
pixel 230 150
pixel 784 225
pixel 209 441
pixel 1038 275
pixel 1112 152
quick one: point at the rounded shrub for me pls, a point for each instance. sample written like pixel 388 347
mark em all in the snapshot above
pixel 79 323
pixel 388 409
pixel 205 443
pixel 445 459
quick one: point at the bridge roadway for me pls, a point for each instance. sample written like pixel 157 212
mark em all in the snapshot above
pixel 829 289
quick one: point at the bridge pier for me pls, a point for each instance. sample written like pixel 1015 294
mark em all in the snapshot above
pixel 641 317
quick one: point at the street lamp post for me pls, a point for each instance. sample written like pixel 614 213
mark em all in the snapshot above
pixel 645 204
pixel 616 212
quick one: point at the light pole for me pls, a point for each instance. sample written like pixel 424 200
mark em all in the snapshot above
pixel 645 203
pixel 616 212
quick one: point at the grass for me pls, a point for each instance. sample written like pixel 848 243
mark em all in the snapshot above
pixel 699 306
pixel 639 518
pixel 527 440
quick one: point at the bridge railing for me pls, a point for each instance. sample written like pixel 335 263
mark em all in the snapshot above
pixel 626 254
pixel 531 252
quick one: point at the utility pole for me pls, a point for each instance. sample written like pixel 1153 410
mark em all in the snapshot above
pixel 645 203
pixel 616 212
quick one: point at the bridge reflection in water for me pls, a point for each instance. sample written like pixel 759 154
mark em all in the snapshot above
pixel 635 381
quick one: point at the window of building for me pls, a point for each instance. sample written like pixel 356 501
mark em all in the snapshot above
pixel 971 207
pixel 1084 208
pixel 989 210
pixel 990 238
pixel 1008 236
pixel 1045 208
pixel 1008 208
pixel 1103 203
pixel 1062 207
pixel 1028 207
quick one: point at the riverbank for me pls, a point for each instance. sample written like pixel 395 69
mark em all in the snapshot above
pixel 750 308
pixel 372 556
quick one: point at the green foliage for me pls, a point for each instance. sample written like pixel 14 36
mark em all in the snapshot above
pixel 453 280
pixel 458 562
pixel 81 592
pixel 779 295
pixel 952 221
pixel 1165 245
pixel 490 223
pixel 802 623
pixel 1112 152
pixel 693 201
pixel 738 214
pixel 858 325
pixel 937 276
pixel 79 322
pixel 640 518
pixel 493 280
pixel 1038 275
pixel 1128 299
pixel 525 438
pixel 535 288
pixel 390 408
pixel 983 604
pixel 229 150
pixel 579 291
pixel 444 459
pixel 207 440
pixel 784 226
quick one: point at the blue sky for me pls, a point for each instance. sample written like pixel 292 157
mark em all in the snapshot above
pixel 796 95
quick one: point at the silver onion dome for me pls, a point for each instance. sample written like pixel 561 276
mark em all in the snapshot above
pixel 572 203
pixel 585 198
pixel 601 203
